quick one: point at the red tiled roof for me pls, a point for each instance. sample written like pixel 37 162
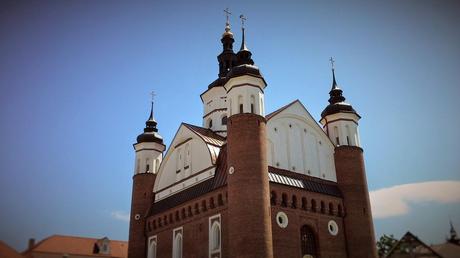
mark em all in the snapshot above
pixel 78 246
pixel 7 252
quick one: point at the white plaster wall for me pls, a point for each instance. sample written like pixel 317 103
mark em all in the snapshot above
pixel 150 153
pixel 343 126
pixel 173 167
pixel 213 100
pixel 245 95
pixel 297 143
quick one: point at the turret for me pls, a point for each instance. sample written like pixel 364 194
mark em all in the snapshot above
pixel 340 121
pixel 149 154
pixel 215 97
pixel 249 233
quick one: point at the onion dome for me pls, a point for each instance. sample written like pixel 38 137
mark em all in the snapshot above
pixel 336 100
pixel 150 131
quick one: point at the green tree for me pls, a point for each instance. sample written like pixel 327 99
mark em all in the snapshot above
pixel 385 244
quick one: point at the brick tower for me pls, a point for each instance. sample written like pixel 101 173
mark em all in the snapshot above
pixel 340 121
pixel 249 230
pixel 149 153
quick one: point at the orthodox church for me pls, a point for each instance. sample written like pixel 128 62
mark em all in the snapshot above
pixel 247 184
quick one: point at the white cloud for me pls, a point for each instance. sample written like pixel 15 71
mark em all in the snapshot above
pixel 396 200
pixel 120 215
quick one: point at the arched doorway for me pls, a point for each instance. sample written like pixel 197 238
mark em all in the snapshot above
pixel 308 242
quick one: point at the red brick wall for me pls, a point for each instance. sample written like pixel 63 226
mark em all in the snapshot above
pixel 249 215
pixel 195 226
pixel 351 178
pixel 286 241
pixel 142 197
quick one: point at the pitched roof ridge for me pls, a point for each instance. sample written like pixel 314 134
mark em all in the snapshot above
pixel 213 134
pixel 272 114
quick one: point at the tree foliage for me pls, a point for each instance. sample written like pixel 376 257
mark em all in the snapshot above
pixel 385 243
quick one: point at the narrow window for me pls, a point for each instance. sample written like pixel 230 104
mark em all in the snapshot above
pixel 252 108
pixel 336 133
pixel 224 120
pixel 215 237
pixel 284 200
pixel 210 123
pixel 308 242
pixel 273 198
pixel 147 168
pixel 177 245
pixel 241 108
pixel 348 140
pixel 152 249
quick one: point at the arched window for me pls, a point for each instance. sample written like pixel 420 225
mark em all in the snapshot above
pixel 210 123
pixel 224 120
pixel 323 207
pixel 313 205
pixel 215 237
pixel 240 103
pixel 284 200
pixel 177 246
pixel 294 202
pixel 336 133
pixel 152 248
pixel 273 198
pixel 304 203
pixel 308 242
pixel 253 103
pixel 331 208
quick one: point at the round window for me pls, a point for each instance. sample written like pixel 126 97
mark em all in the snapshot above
pixel 282 219
pixel 333 228
pixel 137 216
pixel 231 170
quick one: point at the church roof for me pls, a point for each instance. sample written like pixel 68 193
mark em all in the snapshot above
pixel 276 175
pixel 279 110
pixel 207 135
pixel 73 245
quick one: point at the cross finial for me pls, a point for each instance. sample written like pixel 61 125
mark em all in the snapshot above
pixel 227 14
pixel 243 19
pixel 152 94
pixel 332 62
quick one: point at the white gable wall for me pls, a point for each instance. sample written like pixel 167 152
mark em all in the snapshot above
pixel 297 143
pixel 187 155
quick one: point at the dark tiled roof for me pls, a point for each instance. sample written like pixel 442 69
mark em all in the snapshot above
pixel 305 182
pixel 207 135
pixel 219 180
pixel 276 175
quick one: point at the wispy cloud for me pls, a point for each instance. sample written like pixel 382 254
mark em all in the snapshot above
pixel 396 200
pixel 120 215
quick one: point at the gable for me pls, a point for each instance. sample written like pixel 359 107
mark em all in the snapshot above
pixel 297 143
pixel 190 159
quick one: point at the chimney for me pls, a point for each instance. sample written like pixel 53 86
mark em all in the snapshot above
pixel 31 243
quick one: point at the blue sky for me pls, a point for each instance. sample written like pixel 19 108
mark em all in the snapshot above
pixel 76 76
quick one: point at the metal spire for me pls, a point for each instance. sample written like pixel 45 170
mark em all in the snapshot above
pixel 243 42
pixel 334 83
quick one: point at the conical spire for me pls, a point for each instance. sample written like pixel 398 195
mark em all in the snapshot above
pixel 336 99
pixel 151 123
pixel 335 93
pixel 244 55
